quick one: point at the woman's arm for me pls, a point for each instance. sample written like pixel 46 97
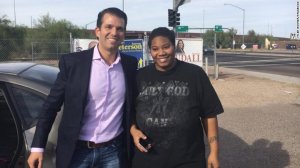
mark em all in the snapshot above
pixel 210 125
pixel 137 135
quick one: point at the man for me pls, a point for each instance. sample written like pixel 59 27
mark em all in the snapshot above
pixel 95 87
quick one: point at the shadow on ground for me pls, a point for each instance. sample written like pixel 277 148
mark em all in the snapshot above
pixel 236 153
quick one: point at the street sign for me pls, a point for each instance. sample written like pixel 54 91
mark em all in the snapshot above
pixel 243 46
pixel 218 28
pixel 182 28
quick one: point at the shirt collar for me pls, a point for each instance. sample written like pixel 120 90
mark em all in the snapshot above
pixel 97 55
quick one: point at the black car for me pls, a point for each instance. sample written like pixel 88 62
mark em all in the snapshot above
pixel 23 90
pixel 208 51
pixel 291 46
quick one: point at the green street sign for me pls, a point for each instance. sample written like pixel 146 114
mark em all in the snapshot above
pixel 218 28
pixel 182 28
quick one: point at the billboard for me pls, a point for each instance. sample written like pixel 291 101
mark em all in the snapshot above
pixel 190 50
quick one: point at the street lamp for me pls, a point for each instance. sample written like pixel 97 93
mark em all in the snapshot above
pixel 243 18
pixel 89 23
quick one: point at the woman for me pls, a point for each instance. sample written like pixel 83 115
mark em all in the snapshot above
pixel 171 97
pixel 180 46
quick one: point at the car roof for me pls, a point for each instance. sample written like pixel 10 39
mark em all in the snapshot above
pixel 39 73
pixel 14 67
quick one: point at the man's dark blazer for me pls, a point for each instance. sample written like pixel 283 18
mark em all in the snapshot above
pixel 71 90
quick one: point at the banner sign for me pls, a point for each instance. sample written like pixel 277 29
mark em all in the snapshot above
pixel 83 44
pixel 187 49
pixel 133 47
pixel 190 50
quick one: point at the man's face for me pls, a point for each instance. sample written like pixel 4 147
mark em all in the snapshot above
pixel 111 33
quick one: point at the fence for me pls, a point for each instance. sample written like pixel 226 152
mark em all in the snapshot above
pixel 41 51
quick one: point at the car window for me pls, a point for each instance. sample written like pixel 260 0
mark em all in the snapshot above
pixel 29 105
pixel 41 73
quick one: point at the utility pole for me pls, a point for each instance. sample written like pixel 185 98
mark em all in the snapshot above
pixel 243 10
pixel 176 4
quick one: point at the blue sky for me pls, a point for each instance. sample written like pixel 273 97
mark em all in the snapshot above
pixel 276 17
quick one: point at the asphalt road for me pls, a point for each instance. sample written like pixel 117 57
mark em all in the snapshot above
pixel 286 65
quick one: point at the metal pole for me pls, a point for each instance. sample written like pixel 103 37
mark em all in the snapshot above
pixel 243 38
pixel 123 5
pixel 206 65
pixel 57 50
pixel 71 42
pixel 215 55
pixel 203 20
pixel 15 13
pixel 233 42
pixel 174 9
pixel 31 51
pixel 243 26
pixel 217 72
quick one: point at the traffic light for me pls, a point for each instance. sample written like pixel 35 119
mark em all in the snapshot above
pixel 171 16
pixel 174 18
pixel 177 19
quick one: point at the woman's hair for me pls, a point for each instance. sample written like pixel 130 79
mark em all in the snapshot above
pixel 177 46
pixel 162 31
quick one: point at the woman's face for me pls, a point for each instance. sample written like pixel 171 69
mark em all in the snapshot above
pixel 163 53
pixel 180 44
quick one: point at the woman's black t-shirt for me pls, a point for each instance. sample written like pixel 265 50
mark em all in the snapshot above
pixel 169 106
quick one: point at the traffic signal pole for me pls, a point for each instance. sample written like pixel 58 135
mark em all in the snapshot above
pixel 176 4
pixel 175 9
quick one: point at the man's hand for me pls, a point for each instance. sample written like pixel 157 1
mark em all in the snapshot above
pixel 35 160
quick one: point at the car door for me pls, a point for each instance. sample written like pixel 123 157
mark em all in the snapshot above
pixel 28 103
pixel 23 105
pixel 11 141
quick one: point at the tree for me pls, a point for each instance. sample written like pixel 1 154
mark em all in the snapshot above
pixel 12 39
pixel 45 22
pixel 208 38
pixel 4 20
pixel 252 37
pixel 51 29
pixel 51 37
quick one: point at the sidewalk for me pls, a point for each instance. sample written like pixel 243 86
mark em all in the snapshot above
pixel 260 127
